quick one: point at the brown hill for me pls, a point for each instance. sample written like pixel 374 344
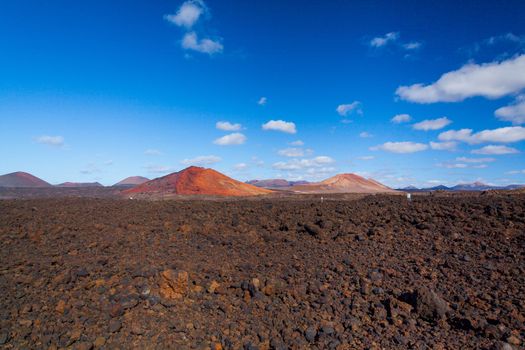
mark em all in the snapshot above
pixel 196 180
pixel 21 179
pixel 132 181
pixel 344 183
pixel 80 184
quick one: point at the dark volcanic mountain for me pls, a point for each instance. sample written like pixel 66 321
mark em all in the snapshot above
pixel 196 180
pixel 80 184
pixel 22 179
pixel 275 183
pixel 132 181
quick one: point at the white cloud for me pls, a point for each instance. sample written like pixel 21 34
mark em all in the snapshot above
pixel 490 80
pixel 294 152
pixel 365 134
pixel 401 147
pixel 392 38
pixel 227 126
pixel 366 158
pixel 514 172
pixel 346 109
pixel 453 165
pixel 280 125
pixel 495 149
pixel 381 41
pixel 262 101
pixel 464 135
pixel 432 124
pixel 190 41
pixel 301 164
pixel 514 113
pixel 235 138
pixel 413 45
pixel 188 14
pixel 444 146
pixel 297 143
pixel 257 162
pixel 56 141
pixel 501 135
pixel 240 167
pixel 506 37
pixel 291 152
pixel 464 163
pixel 475 160
pixel 401 118
pixel 202 160
pixel 152 152
pixel 158 169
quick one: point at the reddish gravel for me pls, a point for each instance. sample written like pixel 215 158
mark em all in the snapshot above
pixel 374 273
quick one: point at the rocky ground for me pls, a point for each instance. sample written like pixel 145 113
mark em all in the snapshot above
pixel 374 273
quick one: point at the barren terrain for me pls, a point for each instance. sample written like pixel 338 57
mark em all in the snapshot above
pixel 379 272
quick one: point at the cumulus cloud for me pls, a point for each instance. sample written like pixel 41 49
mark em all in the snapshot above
pixel 514 113
pixel 55 141
pixel 453 165
pixel 345 109
pixel 400 147
pixel 366 158
pixel 240 167
pixel 514 172
pixel 381 41
pixel 475 160
pixel 280 125
pixel 227 126
pixel 365 134
pixel 401 118
pixel 152 152
pixel 292 152
pixel 501 135
pixel 413 45
pixel 490 80
pixel 444 146
pixel 432 124
pixel 262 101
pixel 202 160
pixel 306 163
pixel 393 39
pixel 297 143
pixel 235 138
pixel 495 150
pixel 190 41
pixel 188 14
pixel 159 169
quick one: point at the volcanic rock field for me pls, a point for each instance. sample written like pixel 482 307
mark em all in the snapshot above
pixel 375 272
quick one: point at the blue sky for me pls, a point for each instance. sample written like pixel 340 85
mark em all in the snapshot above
pixel 406 92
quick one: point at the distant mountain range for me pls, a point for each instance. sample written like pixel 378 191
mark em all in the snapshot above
pixel 475 186
pixel 276 183
pixel 22 179
pixel 80 184
pixel 196 180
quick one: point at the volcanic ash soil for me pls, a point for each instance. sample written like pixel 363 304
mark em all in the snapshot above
pixel 374 273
